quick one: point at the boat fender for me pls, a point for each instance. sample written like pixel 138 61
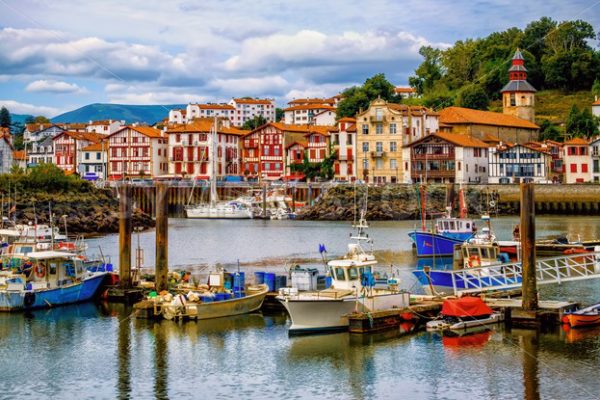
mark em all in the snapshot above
pixel 474 261
pixel 40 271
pixel 29 299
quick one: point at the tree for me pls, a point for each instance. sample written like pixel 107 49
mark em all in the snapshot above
pixel 359 97
pixel 5 120
pixel 254 123
pixel 596 88
pixel 324 169
pixel 581 123
pixel 278 114
pixel 549 131
pixel 474 97
pixel 40 119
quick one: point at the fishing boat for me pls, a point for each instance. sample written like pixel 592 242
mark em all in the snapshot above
pixel 447 233
pixel 352 290
pixel 589 316
pixel 215 209
pixel 464 313
pixel 46 279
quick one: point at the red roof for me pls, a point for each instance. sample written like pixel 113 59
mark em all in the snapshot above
pixel 461 115
pixel 252 101
pixel 577 141
pixel 19 155
pixel 596 103
pixel 465 307
pixel 405 90
pixel 310 107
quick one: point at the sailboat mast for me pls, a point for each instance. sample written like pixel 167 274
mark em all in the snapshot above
pixel 213 157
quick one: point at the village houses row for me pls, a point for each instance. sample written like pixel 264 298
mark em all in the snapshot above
pixel 385 143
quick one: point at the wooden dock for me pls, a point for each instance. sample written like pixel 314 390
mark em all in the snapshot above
pixel 549 312
pixel 367 322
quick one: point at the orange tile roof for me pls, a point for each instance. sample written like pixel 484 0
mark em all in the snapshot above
pixel 405 90
pixel 347 119
pixel 148 131
pixel 216 107
pixel 596 103
pixel 351 128
pixel 103 122
pixel 4 131
pixel 37 127
pixel 252 101
pixel 310 107
pixel 19 155
pixel 205 125
pixel 577 141
pixel 302 144
pixel 312 101
pixel 300 128
pixel 95 147
pixel 456 139
pixel 460 115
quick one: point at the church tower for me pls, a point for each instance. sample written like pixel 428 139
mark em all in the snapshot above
pixel 518 96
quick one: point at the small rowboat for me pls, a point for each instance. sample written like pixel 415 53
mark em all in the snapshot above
pixel 588 316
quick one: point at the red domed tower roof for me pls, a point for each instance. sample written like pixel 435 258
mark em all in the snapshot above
pixel 518 76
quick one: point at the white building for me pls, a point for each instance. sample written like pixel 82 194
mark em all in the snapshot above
pixel 343 139
pixel 405 92
pixel 37 132
pixel 577 160
pixel 446 158
pixel 94 159
pixel 105 127
pixel 6 151
pixel 137 151
pixel 595 159
pixel 518 163
pixel 247 108
pixel 314 114
pixel 40 152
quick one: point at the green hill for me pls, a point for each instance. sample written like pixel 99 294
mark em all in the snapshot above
pixel 130 113
pixel 554 105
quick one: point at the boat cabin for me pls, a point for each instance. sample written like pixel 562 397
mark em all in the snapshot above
pixel 347 273
pixel 454 225
pixel 473 255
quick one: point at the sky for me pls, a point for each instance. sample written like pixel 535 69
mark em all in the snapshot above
pixel 58 55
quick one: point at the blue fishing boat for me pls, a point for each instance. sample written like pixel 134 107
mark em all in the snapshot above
pixel 447 233
pixel 46 279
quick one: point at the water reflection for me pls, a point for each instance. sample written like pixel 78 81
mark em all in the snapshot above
pixel 124 359
pixel 531 379
pixel 161 352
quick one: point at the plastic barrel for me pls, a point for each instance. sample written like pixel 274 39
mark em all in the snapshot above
pixel 259 278
pixel 222 296
pixel 238 295
pixel 206 299
pixel 228 284
pixel 270 281
pixel 239 281
pixel 328 282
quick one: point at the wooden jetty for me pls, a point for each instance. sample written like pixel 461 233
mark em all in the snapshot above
pixel 368 322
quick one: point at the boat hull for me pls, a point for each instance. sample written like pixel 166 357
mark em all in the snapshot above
pixel 321 315
pixel 431 244
pixel 219 309
pixel 30 300
pixel 440 282
pixel 582 320
pixel 208 213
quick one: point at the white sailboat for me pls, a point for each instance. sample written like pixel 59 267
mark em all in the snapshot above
pixel 352 289
pixel 215 209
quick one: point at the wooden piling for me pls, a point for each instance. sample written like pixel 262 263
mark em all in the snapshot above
pixel 125 228
pixel 162 237
pixel 529 286
pixel 264 201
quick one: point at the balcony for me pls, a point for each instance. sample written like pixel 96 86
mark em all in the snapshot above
pixel 440 156
pixel 377 154
pixel 432 174
pixel 374 119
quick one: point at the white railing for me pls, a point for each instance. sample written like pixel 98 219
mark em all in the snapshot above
pixel 509 276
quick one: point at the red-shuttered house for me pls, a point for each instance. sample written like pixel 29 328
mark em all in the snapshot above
pixel 68 147
pixel 343 140
pixel 189 148
pixel 265 148
pixel 137 151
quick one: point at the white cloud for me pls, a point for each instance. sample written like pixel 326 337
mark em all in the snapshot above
pixel 269 85
pixel 153 97
pixel 51 86
pixel 16 107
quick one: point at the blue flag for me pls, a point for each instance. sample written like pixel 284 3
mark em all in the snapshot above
pixel 322 248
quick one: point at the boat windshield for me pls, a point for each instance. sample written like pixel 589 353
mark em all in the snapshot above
pixel 339 274
pixel 352 273
pixel 363 270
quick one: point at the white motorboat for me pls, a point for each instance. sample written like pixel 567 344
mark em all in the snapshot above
pixel 352 290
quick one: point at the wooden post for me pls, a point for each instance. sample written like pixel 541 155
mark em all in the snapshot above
pixel 529 285
pixel 309 195
pixel 162 237
pixel 264 201
pixel 125 227
pixel 293 198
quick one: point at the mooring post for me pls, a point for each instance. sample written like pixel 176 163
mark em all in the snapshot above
pixel 529 285
pixel 309 195
pixel 125 228
pixel 162 237
pixel 264 200
pixel 294 198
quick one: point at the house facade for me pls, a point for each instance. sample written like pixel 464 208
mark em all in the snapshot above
pixel 446 158
pixel 39 132
pixel 382 130
pixel 68 147
pixel 343 142
pixel 190 148
pixel 577 161
pixel 104 127
pixel 247 109
pixel 6 151
pixel 264 154
pixel 315 114
pixel 518 163
pixel 40 152
pixel 137 151
pixel 94 159
pixel 595 160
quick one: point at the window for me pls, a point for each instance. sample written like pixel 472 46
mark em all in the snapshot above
pixel 365 147
pixel 513 101
pixel 584 168
pixel 352 273
pixel 393 146
pixel 365 164
pixel 379 114
pixel 339 274
pixel 393 163
pixel 379 163
pixel 392 129
pixel 378 129
pixel 87 156
pixel 349 141
pixel 98 156
pixel 365 129
pixel 573 167
pixel 379 147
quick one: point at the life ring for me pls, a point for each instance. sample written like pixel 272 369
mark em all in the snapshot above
pixel 29 299
pixel 492 203
pixel 464 210
pixel 474 261
pixel 40 271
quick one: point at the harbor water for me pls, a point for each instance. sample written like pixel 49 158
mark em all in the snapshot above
pixel 100 351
